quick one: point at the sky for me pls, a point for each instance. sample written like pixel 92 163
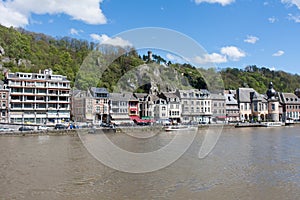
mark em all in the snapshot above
pixel 233 33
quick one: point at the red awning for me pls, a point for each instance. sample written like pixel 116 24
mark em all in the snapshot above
pixel 138 119
pixel 221 117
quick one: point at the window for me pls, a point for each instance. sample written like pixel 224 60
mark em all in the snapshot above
pixel 97 108
pixel 163 108
pixel 273 106
pixel 3 95
pixel 255 107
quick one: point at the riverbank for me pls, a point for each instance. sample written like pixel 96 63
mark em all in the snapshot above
pixel 127 129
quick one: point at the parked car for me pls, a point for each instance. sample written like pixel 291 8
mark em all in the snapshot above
pixel 106 125
pixel 43 128
pixel 25 128
pixel 60 126
pixel 2 129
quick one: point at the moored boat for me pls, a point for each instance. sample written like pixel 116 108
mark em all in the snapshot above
pixel 271 124
pixel 179 128
pixel 289 122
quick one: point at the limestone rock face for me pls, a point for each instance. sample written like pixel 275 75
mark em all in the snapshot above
pixel 2 52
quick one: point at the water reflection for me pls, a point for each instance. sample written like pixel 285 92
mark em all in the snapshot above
pixel 262 163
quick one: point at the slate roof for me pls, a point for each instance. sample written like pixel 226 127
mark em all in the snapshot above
pixel 120 96
pixel 99 90
pixel 288 98
pixel 217 96
pixel 140 95
pixel 259 97
pixel 170 95
pixel 243 94
pixel 230 100
pixel 81 93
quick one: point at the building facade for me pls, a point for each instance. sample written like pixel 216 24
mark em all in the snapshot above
pixel 173 106
pixel 4 100
pixel 218 107
pixel 82 106
pixel 232 108
pixel 259 106
pixel 38 98
pixel 290 106
pixel 100 105
pixel 195 105
pixel 119 108
pixel 244 101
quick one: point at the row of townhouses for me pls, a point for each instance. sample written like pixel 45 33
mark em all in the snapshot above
pixel 45 98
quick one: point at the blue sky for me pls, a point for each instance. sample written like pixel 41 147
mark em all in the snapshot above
pixel 234 33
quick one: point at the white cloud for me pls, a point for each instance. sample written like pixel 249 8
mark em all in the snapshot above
pixel 174 58
pixel 222 2
pixel 210 58
pixel 104 39
pixel 292 2
pixel 278 53
pixel 74 31
pixel 233 53
pixel 294 18
pixel 251 39
pixel 18 12
pixel 229 53
pixel 10 17
pixel 272 19
pixel 272 68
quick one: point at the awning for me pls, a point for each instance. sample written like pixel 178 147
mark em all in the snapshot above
pixel 221 117
pixel 139 120
pixel 123 117
pixel 120 122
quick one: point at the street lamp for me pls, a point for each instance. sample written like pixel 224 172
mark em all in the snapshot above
pixel 22 120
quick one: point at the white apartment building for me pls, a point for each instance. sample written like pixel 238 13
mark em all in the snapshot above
pixel 38 98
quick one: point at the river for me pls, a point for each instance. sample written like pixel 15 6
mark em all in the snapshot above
pixel 246 163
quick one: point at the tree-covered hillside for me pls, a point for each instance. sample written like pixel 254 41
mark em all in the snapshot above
pixel 259 79
pixel 29 52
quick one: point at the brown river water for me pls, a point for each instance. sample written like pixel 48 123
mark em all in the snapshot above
pixel 246 163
